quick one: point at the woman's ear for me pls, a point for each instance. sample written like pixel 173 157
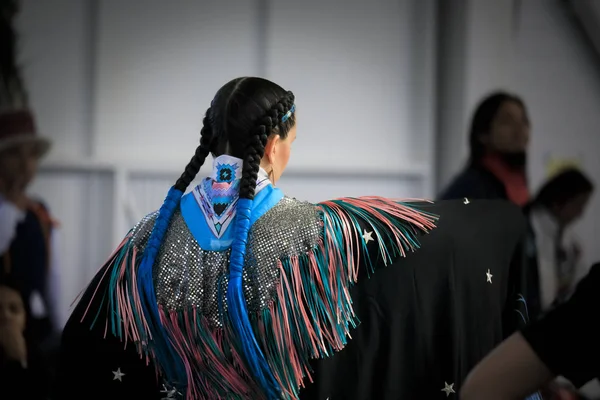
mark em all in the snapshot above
pixel 271 148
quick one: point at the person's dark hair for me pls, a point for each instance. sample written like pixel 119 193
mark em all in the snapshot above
pixel 9 281
pixel 562 188
pixel 242 116
pixel 482 121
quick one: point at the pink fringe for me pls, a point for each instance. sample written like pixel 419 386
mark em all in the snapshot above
pixel 200 359
pixel 291 288
pixel 110 261
pixel 202 347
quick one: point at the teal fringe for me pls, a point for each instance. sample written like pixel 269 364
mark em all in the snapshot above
pixel 314 284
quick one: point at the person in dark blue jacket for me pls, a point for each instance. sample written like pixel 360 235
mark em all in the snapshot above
pixel 498 141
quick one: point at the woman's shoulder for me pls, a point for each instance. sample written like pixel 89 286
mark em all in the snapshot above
pixel 289 214
pixel 474 182
pixel 473 204
pixel 140 233
pixel 468 212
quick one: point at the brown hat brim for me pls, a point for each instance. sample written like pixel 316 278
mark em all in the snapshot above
pixel 41 144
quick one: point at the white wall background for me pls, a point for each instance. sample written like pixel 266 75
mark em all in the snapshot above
pixel 558 75
pixel 55 47
pixel 158 67
pixel 476 41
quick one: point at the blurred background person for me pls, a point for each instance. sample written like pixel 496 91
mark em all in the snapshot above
pixel 28 256
pixel 498 140
pixel 23 369
pixel 11 213
pixel 563 342
pixel 558 204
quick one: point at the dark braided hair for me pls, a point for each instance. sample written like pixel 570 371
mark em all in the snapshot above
pixel 242 116
pixel 254 154
pixel 251 94
pixel 241 107
pixel 202 151
pixel 255 149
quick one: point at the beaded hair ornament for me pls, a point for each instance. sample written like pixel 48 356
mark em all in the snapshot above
pixel 258 353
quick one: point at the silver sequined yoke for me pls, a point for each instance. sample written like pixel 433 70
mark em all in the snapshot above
pixel 186 276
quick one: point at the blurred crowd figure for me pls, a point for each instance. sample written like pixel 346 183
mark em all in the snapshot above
pixel 497 168
pixel 28 322
pixel 26 367
pixel 557 252
pixel 498 142
pixel 28 292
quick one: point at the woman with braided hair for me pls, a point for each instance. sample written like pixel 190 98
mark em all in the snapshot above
pixel 234 291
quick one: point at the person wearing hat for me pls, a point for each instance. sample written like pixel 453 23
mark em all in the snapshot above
pixel 26 235
pixel 20 150
pixel 26 223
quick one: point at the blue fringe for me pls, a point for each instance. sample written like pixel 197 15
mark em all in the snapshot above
pixel 236 305
pixel 535 396
pixel 317 303
pixel 381 230
pixel 160 344
pixel 242 327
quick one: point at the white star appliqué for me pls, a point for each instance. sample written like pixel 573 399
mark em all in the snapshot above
pixel 368 236
pixel 170 393
pixel 118 375
pixel 466 201
pixel 489 276
pixel 448 389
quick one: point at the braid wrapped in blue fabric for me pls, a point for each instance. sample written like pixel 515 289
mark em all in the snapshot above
pixel 148 326
pixel 154 339
pixel 260 353
pixel 238 312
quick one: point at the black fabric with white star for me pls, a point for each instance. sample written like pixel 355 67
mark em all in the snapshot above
pixel 426 320
pixel 92 366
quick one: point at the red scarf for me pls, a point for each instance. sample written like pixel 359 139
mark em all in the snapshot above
pixel 514 180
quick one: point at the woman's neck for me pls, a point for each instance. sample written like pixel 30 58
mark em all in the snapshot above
pixel 227 169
